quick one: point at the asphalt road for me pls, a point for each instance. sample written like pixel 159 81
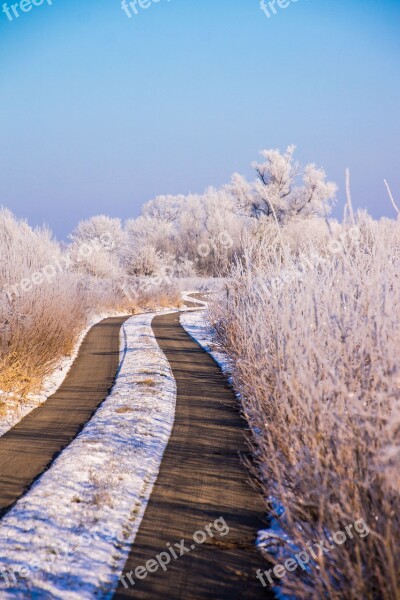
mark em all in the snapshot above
pixel 202 478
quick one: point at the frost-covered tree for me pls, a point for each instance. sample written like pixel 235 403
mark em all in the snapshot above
pixel 101 230
pixel 23 249
pixel 150 229
pixel 275 192
pixel 164 208
pixel 96 247
pixel 209 230
pixel 275 184
pixel 316 195
pixel 147 241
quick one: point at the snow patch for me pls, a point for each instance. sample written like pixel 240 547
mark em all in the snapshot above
pixel 196 325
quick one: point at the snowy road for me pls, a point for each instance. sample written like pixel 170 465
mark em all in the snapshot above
pixel 73 531
pixel 202 478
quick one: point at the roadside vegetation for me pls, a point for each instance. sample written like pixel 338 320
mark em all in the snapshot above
pixel 49 293
pixel 311 323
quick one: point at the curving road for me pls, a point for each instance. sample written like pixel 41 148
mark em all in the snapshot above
pixel 202 478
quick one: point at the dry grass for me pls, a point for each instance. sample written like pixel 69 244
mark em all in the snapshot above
pixel 147 382
pixel 316 358
pixel 42 326
pixel 124 409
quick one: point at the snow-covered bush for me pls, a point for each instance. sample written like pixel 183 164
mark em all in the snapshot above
pixel 315 353
pixel 101 229
pixel 96 247
pixel 187 234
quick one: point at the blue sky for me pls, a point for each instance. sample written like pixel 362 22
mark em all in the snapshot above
pixel 99 112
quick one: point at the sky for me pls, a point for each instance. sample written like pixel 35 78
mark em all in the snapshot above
pixel 100 112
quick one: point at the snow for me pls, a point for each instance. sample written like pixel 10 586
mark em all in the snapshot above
pixel 72 531
pixel 196 325
pixel 17 410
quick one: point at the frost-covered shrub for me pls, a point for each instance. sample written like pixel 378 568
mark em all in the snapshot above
pixel 48 295
pixel 101 230
pixel 146 260
pixel 96 248
pixel 315 352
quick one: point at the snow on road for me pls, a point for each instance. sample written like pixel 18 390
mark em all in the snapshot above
pixel 196 325
pixel 69 537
